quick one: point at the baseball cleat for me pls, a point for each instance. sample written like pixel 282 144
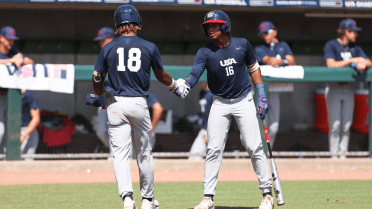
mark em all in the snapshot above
pixel 150 205
pixel 129 203
pixel 267 202
pixel 206 203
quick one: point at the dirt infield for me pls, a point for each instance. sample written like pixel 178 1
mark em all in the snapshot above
pixel 88 171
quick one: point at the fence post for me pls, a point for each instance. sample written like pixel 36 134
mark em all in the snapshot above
pixel 13 124
pixel 370 120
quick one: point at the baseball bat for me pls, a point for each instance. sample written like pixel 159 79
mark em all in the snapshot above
pixel 274 171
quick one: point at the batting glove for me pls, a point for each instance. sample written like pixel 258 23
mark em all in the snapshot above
pixel 183 88
pixel 262 106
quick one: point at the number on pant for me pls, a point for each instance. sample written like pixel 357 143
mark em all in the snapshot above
pixel 229 70
pixel 134 59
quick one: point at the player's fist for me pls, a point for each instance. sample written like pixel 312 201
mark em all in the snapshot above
pixel 183 88
pixel 262 106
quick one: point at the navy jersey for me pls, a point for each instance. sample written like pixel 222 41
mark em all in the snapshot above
pixel 151 100
pixel 226 67
pixel 334 50
pixel 11 53
pixel 278 50
pixel 205 102
pixel 29 101
pixel 128 60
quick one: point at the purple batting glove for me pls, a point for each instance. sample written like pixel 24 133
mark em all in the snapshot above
pixel 262 106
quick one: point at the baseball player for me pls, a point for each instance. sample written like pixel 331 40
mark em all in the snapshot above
pixel 199 147
pixel 106 35
pixel 11 56
pixel 274 53
pixel 29 137
pixel 342 52
pixel 228 61
pixel 127 60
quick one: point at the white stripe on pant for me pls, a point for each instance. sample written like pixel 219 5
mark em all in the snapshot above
pixel 244 112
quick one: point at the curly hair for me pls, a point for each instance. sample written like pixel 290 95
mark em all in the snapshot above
pixel 127 28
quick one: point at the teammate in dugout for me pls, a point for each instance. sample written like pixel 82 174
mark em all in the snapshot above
pixel 106 35
pixel 273 53
pixel 128 60
pixel 342 52
pixel 227 60
pixel 9 55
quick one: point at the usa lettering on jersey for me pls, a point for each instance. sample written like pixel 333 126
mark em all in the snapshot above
pixel 229 69
pixel 228 62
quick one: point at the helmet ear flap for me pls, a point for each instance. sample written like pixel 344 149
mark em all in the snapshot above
pixel 205 31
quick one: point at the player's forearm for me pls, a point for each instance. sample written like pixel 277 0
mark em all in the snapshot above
pixel 291 60
pixel 164 77
pixel 4 61
pixel 157 111
pixel 27 61
pixel 335 64
pixel 98 90
pixel 97 81
pixel 35 121
pixel 272 61
pixel 256 76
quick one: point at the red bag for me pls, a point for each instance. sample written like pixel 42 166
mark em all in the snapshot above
pixel 57 137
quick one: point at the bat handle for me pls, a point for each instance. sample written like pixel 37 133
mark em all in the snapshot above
pixel 267 137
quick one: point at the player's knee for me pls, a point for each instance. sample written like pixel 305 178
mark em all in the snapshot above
pixel 335 127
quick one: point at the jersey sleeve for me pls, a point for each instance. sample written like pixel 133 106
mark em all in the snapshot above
pixel 260 52
pixel 287 49
pixel 101 62
pixel 33 101
pixel 151 100
pixel 200 63
pixel 328 52
pixel 16 51
pixel 360 52
pixel 156 61
pixel 250 57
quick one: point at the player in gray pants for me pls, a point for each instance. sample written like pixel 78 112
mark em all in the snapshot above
pixel 274 53
pixel 342 52
pixel 128 61
pixel 229 62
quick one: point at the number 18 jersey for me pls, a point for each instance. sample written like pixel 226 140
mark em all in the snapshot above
pixel 128 60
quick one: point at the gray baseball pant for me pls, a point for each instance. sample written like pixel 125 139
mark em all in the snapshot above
pixel 129 118
pixel 340 110
pixel 199 147
pixel 244 112
pixel 274 116
pixel 29 146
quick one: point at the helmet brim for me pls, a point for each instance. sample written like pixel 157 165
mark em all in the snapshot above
pixel 213 21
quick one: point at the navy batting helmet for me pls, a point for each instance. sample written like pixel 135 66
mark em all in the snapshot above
pixel 217 16
pixel 127 14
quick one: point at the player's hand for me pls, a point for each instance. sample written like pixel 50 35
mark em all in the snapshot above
pixel 361 66
pixel 22 138
pixel 17 59
pixel 183 88
pixel 262 106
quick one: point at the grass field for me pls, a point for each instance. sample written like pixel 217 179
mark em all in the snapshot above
pixel 181 195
